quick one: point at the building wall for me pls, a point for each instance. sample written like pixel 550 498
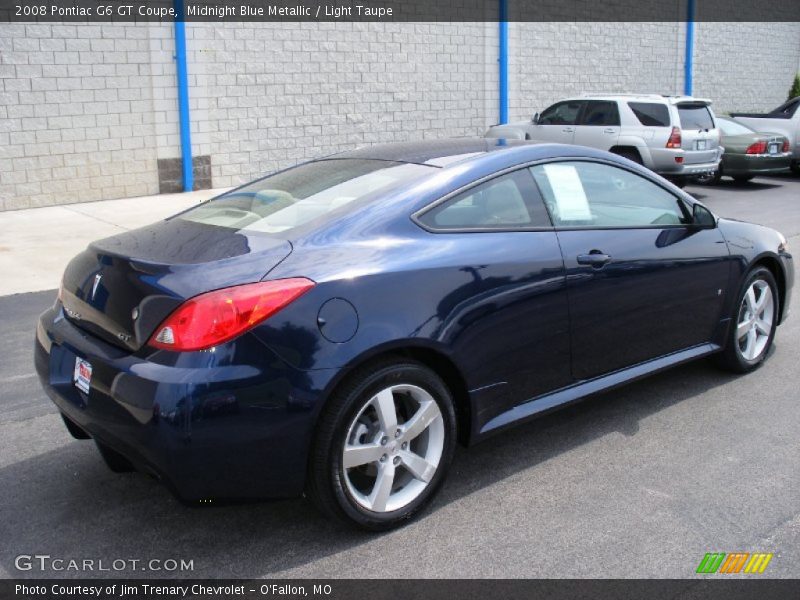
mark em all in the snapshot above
pixel 89 111
pixel 273 96
pixel 77 112
pixel 552 61
pixel 746 66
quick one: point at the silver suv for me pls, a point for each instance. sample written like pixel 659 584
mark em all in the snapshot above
pixel 675 136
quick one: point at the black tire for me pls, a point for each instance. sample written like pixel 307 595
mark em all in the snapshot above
pixel 679 181
pixel 115 461
pixel 731 358
pixel 743 178
pixel 630 155
pixel 326 486
pixel 795 166
pixel 708 179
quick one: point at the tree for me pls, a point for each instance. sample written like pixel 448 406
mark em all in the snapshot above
pixel 795 91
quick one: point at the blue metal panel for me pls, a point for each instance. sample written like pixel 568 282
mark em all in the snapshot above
pixel 183 98
pixel 688 65
pixel 503 60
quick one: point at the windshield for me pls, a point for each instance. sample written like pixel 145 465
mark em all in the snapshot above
pixel 732 127
pixel 291 198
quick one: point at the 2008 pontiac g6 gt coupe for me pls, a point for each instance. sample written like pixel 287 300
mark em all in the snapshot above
pixel 335 328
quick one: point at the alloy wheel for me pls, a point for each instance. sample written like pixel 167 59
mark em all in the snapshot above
pixel 756 316
pixel 393 448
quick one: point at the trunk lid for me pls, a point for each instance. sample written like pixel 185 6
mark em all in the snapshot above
pixel 120 288
pixel 699 133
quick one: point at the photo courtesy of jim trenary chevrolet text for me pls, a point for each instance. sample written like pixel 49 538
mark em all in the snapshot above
pixel 399 299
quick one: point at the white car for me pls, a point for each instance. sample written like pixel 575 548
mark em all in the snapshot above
pixel 675 136
pixel 784 120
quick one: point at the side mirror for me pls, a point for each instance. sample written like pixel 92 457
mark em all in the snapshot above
pixel 535 119
pixel 702 217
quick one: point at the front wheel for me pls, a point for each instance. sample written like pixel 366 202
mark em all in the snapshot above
pixel 383 446
pixel 752 328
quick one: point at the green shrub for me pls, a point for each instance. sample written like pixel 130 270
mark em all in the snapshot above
pixel 795 91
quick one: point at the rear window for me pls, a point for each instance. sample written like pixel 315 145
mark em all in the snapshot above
pixel 650 114
pixel 291 198
pixel 695 116
pixel 785 110
pixel 732 127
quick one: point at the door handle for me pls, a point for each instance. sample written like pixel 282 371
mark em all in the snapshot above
pixel 609 130
pixel 568 130
pixel 595 258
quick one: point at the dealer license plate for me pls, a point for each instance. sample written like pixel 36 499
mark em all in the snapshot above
pixel 701 144
pixel 773 148
pixel 82 376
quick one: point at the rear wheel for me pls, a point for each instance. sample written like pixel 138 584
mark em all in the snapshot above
pixel 630 155
pixel 753 324
pixel 796 167
pixel 712 178
pixel 742 178
pixel 678 181
pixel 384 445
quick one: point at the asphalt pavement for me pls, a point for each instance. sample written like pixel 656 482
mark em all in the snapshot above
pixel 639 482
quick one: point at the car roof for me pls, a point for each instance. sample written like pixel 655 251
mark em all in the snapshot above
pixel 435 153
pixel 643 98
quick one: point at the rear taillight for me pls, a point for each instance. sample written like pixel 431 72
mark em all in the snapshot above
pixel 786 146
pixel 674 140
pixel 216 317
pixel 757 148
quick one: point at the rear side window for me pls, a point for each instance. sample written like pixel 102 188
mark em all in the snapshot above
pixel 695 116
pixel 650 114
pixel 310 191
pixel 563 113
pixel 506 202
pixel 786 110
pixel 600 112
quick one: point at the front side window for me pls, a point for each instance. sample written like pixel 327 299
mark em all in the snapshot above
pixel 586 194
pixel 505 202
pixel 563 113
pixel 314 190
pixel 600 112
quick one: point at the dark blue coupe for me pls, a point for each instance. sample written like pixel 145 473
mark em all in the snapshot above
pixel 337 327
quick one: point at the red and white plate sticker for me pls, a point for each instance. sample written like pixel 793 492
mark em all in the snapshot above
pixel 82 375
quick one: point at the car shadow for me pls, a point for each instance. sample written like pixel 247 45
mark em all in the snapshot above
pixel 66 503
pixel 729 185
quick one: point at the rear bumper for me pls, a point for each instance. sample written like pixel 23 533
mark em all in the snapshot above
pixel 754 164
pixel 231 423
pixel 665 161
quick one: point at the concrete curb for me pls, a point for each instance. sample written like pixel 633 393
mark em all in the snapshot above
pixel 37 243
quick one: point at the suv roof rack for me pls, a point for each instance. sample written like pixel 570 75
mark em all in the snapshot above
pixel 624 95
pixel 672 99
